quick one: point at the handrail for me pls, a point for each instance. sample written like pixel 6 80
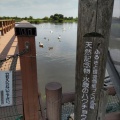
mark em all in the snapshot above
pixel 114 75
pixel 6 25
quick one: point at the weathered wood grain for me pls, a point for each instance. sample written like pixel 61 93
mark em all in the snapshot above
pixel 28 72
pixel 94 22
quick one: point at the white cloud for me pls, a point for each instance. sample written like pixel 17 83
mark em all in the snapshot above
pixel 42 8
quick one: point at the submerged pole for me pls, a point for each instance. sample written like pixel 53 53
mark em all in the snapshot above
pixel 94 22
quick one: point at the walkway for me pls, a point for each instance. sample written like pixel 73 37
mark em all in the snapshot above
pixel 8 47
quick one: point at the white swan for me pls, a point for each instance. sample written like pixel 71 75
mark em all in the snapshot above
pixel 41 44
pixel 51 31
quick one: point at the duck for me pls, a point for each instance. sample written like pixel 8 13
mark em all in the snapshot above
pixel 41 45
pixel 44 37
pixel 59 37
pixel 50 48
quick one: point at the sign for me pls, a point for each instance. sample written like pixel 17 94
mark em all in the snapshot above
pixel 5 88
pixel 25 29
pixel 90 76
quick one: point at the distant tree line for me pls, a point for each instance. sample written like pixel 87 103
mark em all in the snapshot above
pixel 53 18
pixel 58 18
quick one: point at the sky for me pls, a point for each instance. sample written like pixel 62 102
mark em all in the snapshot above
pixel 42 8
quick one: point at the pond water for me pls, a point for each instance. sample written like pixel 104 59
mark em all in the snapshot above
pixel 56 60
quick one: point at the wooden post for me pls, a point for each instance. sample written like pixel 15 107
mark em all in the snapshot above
pixel 53 101
pixel 4 26
pixel 1 26
pixel 26 39
pixel 102 104
pixel 7 26
pixel 94 22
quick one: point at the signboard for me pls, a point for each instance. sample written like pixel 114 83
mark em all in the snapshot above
pixel 5 88
pixel 91 71
pixel 90 78
pixel 25 29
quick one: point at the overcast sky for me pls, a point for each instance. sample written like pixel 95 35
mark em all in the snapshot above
pixel 42 8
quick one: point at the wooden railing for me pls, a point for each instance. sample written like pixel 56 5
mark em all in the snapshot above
pixel 6 25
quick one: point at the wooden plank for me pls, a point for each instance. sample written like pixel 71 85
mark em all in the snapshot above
pixel 92 45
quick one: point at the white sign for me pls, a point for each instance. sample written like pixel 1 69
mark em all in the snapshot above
pixel 5 88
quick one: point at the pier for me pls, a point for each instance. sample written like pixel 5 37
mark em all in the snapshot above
pixel 8 48
pixel 90 101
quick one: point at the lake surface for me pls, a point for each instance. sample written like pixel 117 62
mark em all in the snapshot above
pixel 56 60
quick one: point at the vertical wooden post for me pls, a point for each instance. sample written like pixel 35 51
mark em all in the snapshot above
pixel 7 25
pixel 26 38
pixel 53 101
pixel 4 26
pixel 94 22
pixel 102 105
pixel 1 25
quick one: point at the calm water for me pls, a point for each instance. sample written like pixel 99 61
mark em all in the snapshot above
pixel 56 60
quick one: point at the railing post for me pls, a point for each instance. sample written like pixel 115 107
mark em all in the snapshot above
pixel 26 33
pixel 4 26
pixel 53 101
pixel 94 22
pixel 1 26
pixel 7 26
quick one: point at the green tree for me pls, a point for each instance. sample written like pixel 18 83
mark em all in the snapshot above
pixel 45 18
pixel 30 17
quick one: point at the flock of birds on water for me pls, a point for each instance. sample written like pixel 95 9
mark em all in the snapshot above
pixel 59 37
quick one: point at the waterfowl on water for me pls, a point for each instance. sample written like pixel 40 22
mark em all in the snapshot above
pixel 44 37
pixel 41 44
pixel 51 31
pixel 59 37
pixel 50 48
pixel 64 29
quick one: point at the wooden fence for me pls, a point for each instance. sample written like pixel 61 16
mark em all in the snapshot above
pixel 6 25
